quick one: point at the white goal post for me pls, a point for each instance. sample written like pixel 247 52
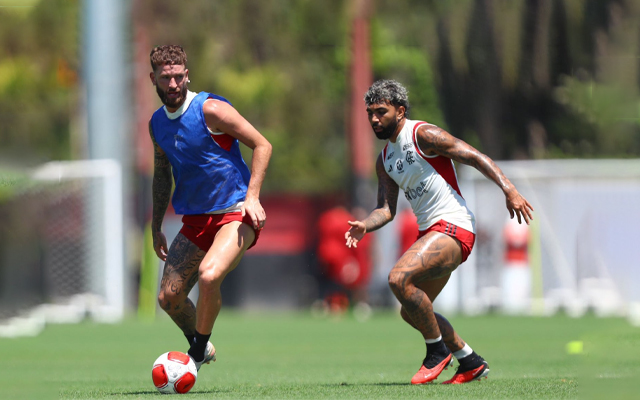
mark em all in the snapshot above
pixel 72 212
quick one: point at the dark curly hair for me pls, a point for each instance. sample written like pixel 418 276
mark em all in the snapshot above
pixel 388 91
pixel 168 55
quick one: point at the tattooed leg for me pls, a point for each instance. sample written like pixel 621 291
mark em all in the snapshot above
pixel 451 338
pixel 224 255
pixel 179 276
pixel 433 289
pixel 407 318
pixel 427 263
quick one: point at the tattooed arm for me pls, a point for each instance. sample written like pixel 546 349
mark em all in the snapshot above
pixel 436 141
pixel 161 192
pixel 384 211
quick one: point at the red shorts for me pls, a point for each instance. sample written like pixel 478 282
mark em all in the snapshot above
pixel 201 229
pixel 465 237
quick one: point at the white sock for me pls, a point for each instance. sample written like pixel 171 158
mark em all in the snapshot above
pixel 463 352
pixel 431 341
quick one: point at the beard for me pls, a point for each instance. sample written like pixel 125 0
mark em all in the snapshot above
pixel 387 131
pixel 175 102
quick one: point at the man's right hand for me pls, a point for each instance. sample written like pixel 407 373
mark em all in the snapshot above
pixel 355 234
pixel 160 245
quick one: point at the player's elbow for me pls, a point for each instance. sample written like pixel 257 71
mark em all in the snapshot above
pixel 389 213
pixel 267 148
pixel 392 214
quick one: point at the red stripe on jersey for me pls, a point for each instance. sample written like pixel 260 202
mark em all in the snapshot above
pixel 225 141
pixel 442 165
pixel 384 152
pixel 415 140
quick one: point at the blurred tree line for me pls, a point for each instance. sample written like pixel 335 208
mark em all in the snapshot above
pixel 39 64
pixel 515 78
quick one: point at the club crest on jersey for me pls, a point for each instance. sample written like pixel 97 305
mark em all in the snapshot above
pixel 399 166
pixel 410 159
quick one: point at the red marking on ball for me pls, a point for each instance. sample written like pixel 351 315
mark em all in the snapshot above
pixel 159 376
pixel 185 383
pixel 178 357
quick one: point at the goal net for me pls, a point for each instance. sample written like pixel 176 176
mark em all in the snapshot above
pixel 581 254
pixel 61 251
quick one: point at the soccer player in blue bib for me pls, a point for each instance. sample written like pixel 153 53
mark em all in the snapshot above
pixel 196 139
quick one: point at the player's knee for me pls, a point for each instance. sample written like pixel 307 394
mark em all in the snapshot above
pixel 210 277
pixel 164 300
pixel 168 299
pixel 397 282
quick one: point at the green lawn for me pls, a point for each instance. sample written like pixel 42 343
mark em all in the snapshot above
pixel 297 356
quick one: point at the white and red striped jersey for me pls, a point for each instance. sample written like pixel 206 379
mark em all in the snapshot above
pixel 429 183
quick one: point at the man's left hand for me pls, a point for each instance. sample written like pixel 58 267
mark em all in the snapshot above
pixel 519 207
pixel 253 207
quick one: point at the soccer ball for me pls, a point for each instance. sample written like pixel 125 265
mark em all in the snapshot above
pixel 174 372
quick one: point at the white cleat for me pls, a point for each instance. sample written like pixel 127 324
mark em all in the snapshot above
pixel 209 355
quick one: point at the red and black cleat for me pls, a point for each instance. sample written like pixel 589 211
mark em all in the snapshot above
pixel 431 368
pixel 470 375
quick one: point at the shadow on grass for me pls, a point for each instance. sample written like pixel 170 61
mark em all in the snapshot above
pixel 388 384
pixel 210 391
pixel 367 384
pixel 134 393
pixel 150 392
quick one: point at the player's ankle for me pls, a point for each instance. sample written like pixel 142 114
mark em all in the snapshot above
pixel 471 361
pixel 198 346
pixel 463 352
pixel 437 347
pixel 189 338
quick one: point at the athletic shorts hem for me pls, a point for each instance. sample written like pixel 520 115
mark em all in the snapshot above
pixel 466 238
pixel 201 229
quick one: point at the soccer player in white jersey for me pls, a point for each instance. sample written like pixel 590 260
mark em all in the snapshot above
pixel 418 159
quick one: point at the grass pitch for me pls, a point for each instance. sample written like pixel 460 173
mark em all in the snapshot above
pixel 297 356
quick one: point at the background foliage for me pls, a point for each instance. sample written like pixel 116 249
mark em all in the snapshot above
pixel 517 78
